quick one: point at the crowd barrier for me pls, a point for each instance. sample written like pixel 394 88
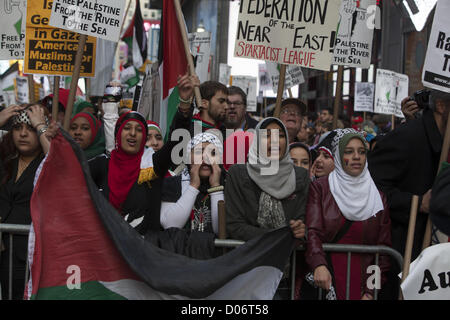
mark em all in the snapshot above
pixel 17 229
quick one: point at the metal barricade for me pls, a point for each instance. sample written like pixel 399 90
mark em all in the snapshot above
pixel 335 248
pixel 13 229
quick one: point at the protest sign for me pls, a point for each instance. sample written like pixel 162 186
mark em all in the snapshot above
pixel 436 70
pixel 51 50
pixel 390 89
pixel 224 73
pixel 200 45
pixel 22 90
pixel 418 11
pixel 354 40
pixel 293 76
pixel 265 83
pixel 288 32
pixel 12 29
pixel 364 96
pixel 98 18
pixel 248 85
pixel 429 275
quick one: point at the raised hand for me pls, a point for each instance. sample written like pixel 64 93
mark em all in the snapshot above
pixel 7 113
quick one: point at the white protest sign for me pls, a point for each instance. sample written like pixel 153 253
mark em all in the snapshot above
pixel 364 96
pixel 436 70
pixel 22 90
pixel 418 11
pixel 12 29
pixel 288 32
pixel 248 85
pixel 354 40
pixel 429 275
pixel 224 73
pixel 200 45
pixel 390 89
pixel 98 18
pixel 293 77
pixel 265 82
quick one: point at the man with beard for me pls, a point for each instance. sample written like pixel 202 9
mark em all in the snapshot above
pixel 236 116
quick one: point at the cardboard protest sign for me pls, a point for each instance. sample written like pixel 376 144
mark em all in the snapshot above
pixel 12 29
pixel 22 90
pixel 98 18
pixel 288 32
pixel 364 96
pixel 354 40
pixel 436 70
pixel 293 77
pixel 51 50
pixel 265 82
pixel 429 275
pixel 390 89
pixel 224 73
pixel 200 45
pixel 248 85
pixel 418 11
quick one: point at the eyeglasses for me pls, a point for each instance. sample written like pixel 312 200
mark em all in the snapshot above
pixel 291 112
pixel 236 104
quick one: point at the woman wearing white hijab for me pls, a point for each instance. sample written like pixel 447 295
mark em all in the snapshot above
pixel 268 192
pixel 346 207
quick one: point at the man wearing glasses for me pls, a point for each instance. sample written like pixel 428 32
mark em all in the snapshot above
pixel 236 116
pixel 291 114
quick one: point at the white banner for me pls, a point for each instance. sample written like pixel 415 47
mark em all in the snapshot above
pixel 429 275
pixel 436 70
pixel 98 18
pixel 390 89
pixel 12 29
pixel 288 32
pixel 200 45
pixel 248 85
pixel 22 90
pixel 364 96
pixel 294 75
pixel 354 40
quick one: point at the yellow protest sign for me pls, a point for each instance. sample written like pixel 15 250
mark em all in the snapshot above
pixel 50 50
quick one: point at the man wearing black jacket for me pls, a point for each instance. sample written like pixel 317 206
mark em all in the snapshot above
pixel 404 163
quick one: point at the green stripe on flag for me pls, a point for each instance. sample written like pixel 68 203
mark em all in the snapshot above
pixel 172 106
pixel 91 290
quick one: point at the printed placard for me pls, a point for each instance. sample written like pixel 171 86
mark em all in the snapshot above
pixel 52 51
pixel 98 18
pixel 364 96
pixel 248 85
pixel 391 88
pixel 200 45
pixel 293 77
pixel 301 33
pixel 12 29
pixel 22 90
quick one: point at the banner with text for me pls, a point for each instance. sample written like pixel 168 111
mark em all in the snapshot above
pixel 364 96
pixel 390 89
pixel 98 18
pixel 200 45
pixel 12 29
pixel 354 40
pixel 248 84
pixel 293 77
pixel 52 51
pixel 288 32
pixel 436 70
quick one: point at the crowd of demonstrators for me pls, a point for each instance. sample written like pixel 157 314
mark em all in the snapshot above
pixel 329 185
pixel 21 151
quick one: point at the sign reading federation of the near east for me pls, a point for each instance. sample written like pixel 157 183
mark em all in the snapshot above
pixel 50 50
pixel 436 70
pixel 301 32
pixel 98 18
pixel 12 29
pixel 355 34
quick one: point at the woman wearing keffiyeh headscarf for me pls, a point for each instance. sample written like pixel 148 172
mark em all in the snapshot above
pixel 191 200
pixel 346 207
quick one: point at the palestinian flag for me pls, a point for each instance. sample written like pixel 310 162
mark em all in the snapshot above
pixel 81 248
pixel 172 64
pixel 136 37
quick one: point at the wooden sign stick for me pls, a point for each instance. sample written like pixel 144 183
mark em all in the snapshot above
pixel 337 98
pixel 277 111
pixel 55 102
